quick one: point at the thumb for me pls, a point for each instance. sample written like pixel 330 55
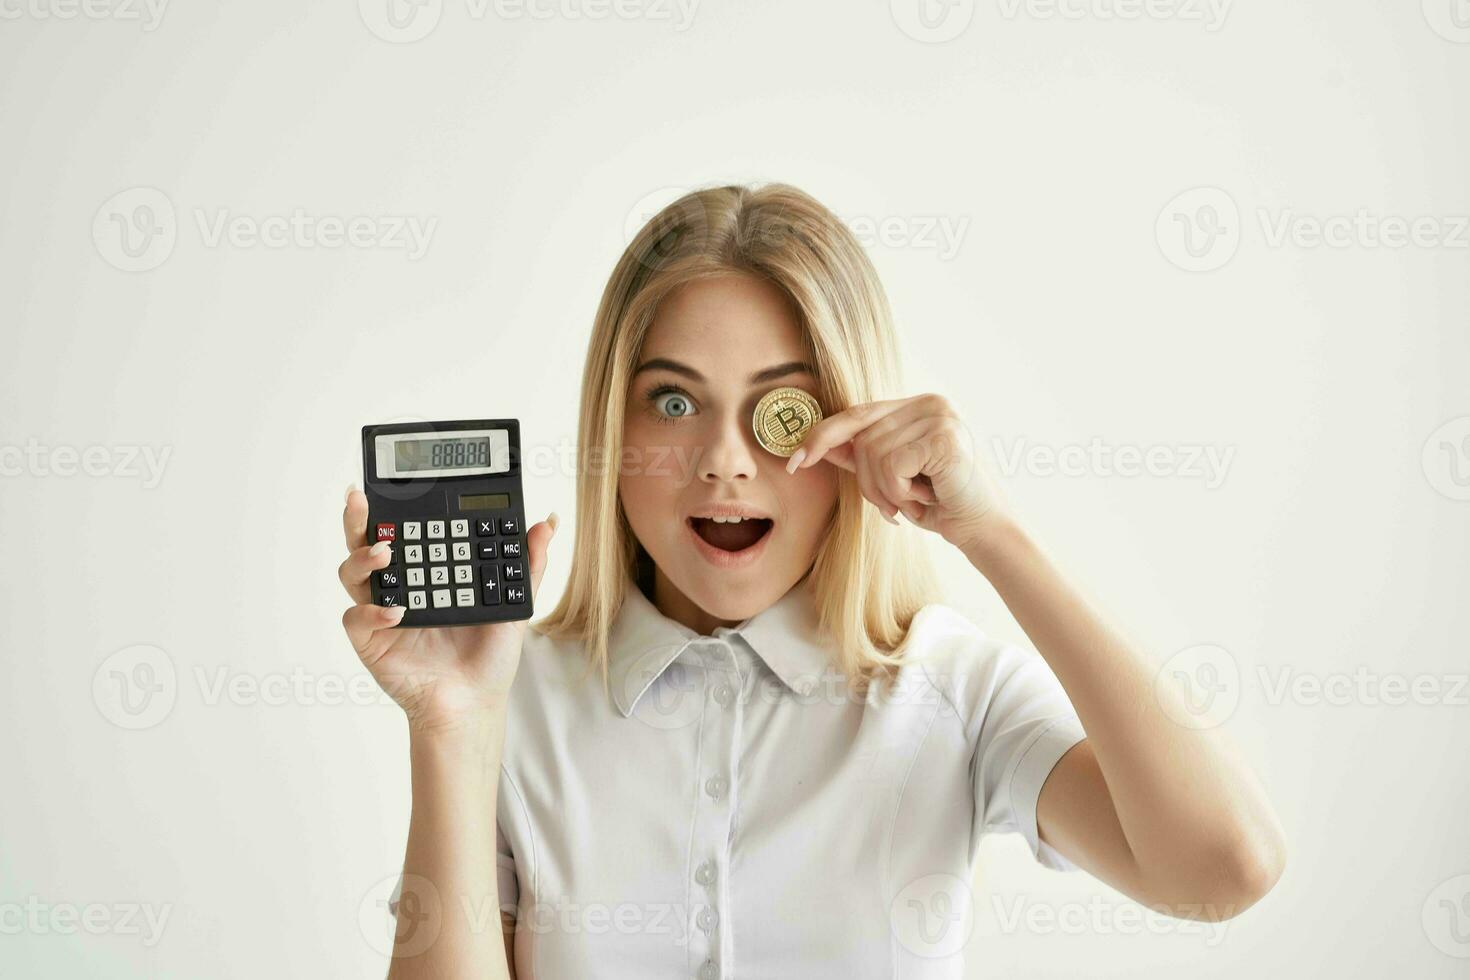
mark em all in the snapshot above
pixel 538 541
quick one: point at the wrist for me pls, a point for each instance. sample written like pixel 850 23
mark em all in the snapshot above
pixel 477 735
pixel 997 535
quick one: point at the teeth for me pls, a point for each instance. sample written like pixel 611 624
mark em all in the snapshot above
pixel 727 520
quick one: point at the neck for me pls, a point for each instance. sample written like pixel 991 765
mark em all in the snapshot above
pixel 681 609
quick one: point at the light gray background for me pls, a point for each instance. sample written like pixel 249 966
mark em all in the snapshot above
pixel 1095 225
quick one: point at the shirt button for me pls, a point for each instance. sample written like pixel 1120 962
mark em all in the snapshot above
pixel 706 874
pixel 722 695
pixel 709 971
pixel 715 786
pixel 708 919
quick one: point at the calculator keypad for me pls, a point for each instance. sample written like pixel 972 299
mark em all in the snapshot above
pixel 461 563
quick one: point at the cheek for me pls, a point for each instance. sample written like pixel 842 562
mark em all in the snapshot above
pixel 808 496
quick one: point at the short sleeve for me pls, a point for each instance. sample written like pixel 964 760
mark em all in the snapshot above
pixel 1027 723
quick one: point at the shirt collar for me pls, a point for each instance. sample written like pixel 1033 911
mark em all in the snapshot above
pixel 643 642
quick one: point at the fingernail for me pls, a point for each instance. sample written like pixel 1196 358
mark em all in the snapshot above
pixel 795 460
pixel 553 519
pixel 890 519
pixel 396 612
pixel 379 548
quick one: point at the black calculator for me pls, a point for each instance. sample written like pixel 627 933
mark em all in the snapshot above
pixel 447 497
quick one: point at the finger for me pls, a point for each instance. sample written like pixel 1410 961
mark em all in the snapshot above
pixel 363 620
pixel 836 429
pixel 359 565
pixel 863 454
pixel 905 455
pixel 538 541
pixel 354 518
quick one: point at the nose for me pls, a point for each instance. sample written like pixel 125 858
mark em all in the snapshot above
pixel 730 453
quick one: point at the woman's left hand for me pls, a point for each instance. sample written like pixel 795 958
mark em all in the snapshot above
pixel 913 455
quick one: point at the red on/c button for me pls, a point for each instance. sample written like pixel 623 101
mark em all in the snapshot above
pixel 387 532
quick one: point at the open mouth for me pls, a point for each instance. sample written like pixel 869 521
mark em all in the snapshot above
pixel 731 536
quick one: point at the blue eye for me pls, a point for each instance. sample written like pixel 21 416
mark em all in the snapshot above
pixel 676 401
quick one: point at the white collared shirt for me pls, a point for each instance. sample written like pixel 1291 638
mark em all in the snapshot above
pixel 735 811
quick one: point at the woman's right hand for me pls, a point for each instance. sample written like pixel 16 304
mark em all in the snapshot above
pixel 444 678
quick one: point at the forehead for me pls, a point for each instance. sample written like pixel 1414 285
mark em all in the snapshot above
pixel 726 321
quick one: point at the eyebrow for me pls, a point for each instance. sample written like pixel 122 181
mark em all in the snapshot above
pixel 760 377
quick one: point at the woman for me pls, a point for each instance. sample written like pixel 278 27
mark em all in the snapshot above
pixel 761 747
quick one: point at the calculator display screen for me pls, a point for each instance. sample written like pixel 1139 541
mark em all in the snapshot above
pixel 484 501
pixel 432 454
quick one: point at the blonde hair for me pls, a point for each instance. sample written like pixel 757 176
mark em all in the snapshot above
pixel 869 578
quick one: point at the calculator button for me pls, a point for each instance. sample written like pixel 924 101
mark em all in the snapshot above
pixel 461 551
pixel 390 599
pixel 438 552
pixel 387 532
pixel 459 528
pixel 515 593
pixel 417 599
pixel 439 575
pixel 412 530
pixel 415 577
pixel 413 554
pixel 441 598
pixel 513 571
pixel 484 527
pixel 509 525
pixel 464 597
pixel 510 549
pixel 463 574
pixel 490 584
pixel 389 578
pixel 487 550
pixel 436 529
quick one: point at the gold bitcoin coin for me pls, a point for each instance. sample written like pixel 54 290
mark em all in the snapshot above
pixel 783 417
